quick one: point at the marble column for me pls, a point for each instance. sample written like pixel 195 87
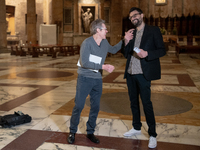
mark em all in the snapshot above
pixel 31 22
pixel 116 21
pixel 46 11
pixel 3 26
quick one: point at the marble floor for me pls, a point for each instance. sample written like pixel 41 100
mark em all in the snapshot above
pixel 45 87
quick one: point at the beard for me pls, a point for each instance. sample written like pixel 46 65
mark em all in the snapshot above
pixel 137 22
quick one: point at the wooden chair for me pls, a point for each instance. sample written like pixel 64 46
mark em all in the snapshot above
pixel 76 49
pixel 13 52
pixel 22 51
pixel 17 51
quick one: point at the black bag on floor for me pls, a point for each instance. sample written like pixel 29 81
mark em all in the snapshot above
pixel 17 118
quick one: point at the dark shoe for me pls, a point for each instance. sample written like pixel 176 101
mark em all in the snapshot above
pixel 93 138
pixel 71 138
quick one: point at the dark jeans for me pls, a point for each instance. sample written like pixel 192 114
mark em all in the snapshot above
pixel 86 86
pixel 138 85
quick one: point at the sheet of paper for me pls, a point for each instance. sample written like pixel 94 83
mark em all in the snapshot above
pixel 92 58
pixel 95 59
pixel 78 64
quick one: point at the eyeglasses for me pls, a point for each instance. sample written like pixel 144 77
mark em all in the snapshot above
pixel 104 29
pixel 134 16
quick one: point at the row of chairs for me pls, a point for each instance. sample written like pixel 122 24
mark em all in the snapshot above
pixel 53 51
pixel 65 50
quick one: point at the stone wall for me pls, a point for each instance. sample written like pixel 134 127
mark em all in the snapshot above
pixel 171 9
pixel 71 34
pixel 20 16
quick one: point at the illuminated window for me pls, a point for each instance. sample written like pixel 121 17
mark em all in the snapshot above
pixel 160 2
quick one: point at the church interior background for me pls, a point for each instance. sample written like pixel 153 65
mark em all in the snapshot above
pixel 39 48
pixel 175 17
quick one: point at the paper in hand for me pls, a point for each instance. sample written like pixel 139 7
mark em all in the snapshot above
pixel 136 49
pixel 92 58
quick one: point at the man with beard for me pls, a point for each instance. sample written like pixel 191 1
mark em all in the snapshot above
pixel 142 66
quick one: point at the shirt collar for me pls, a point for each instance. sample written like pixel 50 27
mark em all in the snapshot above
pixel 141 30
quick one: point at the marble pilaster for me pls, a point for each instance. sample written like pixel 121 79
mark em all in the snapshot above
pixel 3 40
pixel 116 21
pixel 128 4
pixel 31 22
pixel 76 27
pixel 57 18
pixel 102 9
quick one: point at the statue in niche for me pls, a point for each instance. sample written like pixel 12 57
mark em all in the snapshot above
pixel 7 24
pixel 87 18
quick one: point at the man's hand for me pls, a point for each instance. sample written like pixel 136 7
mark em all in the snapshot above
pixel 108 68
pixel 142 53
pixel 128 36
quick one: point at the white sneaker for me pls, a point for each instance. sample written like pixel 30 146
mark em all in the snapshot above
pixel 152 142
pixel 132 132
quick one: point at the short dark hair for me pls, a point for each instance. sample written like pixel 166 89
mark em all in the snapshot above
pixel 95 25
pixel 137 9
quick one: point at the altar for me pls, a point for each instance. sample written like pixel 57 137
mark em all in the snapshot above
pixel 167 38
pixel 12 40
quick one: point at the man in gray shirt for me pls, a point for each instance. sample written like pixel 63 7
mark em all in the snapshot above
pixel 92 56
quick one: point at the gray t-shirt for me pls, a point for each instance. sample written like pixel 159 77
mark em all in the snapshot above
pixel 88 47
